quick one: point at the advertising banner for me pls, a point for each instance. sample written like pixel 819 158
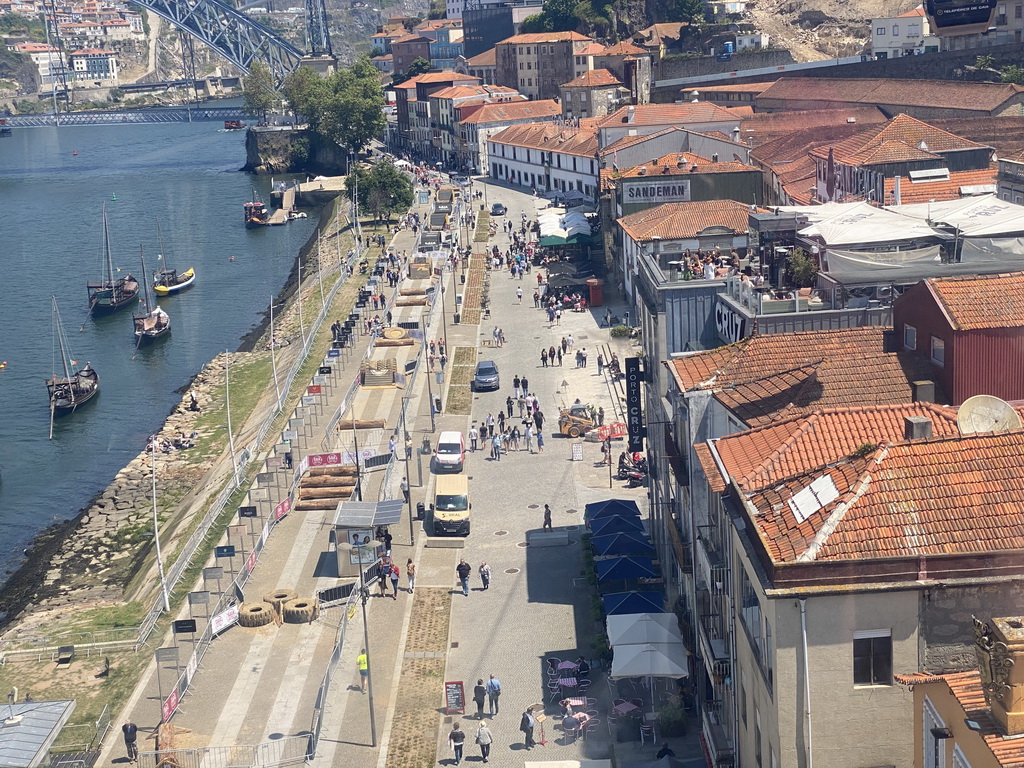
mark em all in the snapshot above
pixel 634 407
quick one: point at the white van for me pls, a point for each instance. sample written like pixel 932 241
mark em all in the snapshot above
pixel 451 506
pixel 450 453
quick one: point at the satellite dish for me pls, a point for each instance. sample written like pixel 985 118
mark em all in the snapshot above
pixel 986 413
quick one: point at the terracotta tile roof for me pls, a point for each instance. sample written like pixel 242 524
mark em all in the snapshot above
pixel 1007 751
pixel 412 38
pixel 447 76
pixel 741 111
pixel 550 137
pixel 763 127
pixel 801 142
pixel 592 49
pixel 959 184
pixel 485 59
pixel 898 140
pixel 1006 134
pixel 463 91
pixel 677 221
pixel 669 114
pixel 978 302
pixel 764 455
pixel 656 33
pixel 910 14
pixel 629 141
pixel 544 37
pixel 682 164
pixel 622 49
pixel 772 376
pixel 515 110
pixel 754 88
pixel 935 94
pixel 944 496
pixel 92 52
pixel 593 78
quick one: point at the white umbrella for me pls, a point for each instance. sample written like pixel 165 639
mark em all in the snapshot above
pixel 634 628
pixel 649 660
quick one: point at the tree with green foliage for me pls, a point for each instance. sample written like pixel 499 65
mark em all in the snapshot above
pixel 803 272
pixel 418 66
pixel 383 189
pixel 692 11
pixel 557 16
pixel 1012 74
pixel 345 107
pixel 595 19
pixel 376 51
pixel 259 94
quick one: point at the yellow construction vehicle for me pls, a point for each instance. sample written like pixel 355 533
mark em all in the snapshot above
pixel 576 420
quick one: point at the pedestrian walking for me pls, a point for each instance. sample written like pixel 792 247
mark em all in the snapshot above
pixel 444 360
pixel 483 435
pixel 559 358
pixel 479 697
pixel 485 574
pixel 501 421
pixel 583 356
pixel 565 345
pixel 493 693
pixel 395 574
pixel 600 363
pixel 528 436
pixel 404 485
pixel 516 381
pixel 410 574
pixel 363 662
pixel 538 420
pixel 509 405
pixel 474 436
pixel 551 354
pixel 540 441
pixel 544 358
pixel 536 304
pixel 131 738
pixel 547 519
pixel 484 739
pixel 570 341
pixel 521 402
pixel 391 444
pixel 600 417
pixel 463 570
pixel 456 740
pixel 519 295
pixel 526 386
pixel 526 725
pixel 496 447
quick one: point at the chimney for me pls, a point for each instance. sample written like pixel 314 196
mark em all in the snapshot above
pixel 999 645
pixel 924 391
pixel 664 169
pixel 917 428
pixel 714 158
pixel 631 114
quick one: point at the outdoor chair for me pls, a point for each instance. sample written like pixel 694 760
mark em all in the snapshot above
pixel 647 734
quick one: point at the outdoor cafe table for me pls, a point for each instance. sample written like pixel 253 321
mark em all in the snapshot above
pixel 568 665
pixel 624 708
pixel 577 701
pixel 567 682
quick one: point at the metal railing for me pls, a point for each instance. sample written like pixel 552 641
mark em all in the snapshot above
pixel 291 750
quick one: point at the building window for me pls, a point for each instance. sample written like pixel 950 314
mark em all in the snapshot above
pixel 757 738
pixel 880 31
pixel 909 337
pixel 743 697
pixel 913 30
pixel 529 82
pixel 583 97
pixel 872 657
pixel 895 30
pixel 938 351
pixel 1018 11
pixel 934 748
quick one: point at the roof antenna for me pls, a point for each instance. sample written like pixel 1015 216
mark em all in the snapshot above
pixel 12 719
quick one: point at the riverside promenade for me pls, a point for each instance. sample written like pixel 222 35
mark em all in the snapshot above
pixel 258 685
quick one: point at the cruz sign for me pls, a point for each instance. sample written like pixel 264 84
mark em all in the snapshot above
pixel 634 410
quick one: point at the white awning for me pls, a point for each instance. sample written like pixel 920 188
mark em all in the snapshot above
pixel 641 628
pixel 649 660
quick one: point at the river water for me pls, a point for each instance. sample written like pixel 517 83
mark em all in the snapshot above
pixel 184 175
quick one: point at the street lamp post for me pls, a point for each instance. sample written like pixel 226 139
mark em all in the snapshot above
pixel 364 596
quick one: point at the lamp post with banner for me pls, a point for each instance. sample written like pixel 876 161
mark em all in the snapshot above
pixel 364 596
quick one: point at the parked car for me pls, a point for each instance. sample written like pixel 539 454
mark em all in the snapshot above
pixel 450 454
pixel 486 376
pixel 498 210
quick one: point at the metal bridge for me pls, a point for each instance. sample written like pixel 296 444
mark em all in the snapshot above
pixel 127 116
pixel 241 39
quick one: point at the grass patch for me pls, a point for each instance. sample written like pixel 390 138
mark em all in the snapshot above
pixel 464 356
pixel 483 227
pixel 460 394
pixel 248 383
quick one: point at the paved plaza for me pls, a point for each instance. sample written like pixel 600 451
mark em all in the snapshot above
pixel 259 685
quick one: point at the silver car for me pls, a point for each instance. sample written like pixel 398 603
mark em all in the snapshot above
pixel 486 376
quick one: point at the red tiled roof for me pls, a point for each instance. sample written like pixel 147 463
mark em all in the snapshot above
pixel 93 52
pixel 765 126
pixel 1007 751
pixel 919 11
pixel 742 111
pixel 763 455
pixel 898 140
pixel 446 76
pixel 411 39
pixel 934 94
pixel 682 164
pixel 591 49
pixel 662 30
pixel 958 185
pixel 766 377
pixel 464 91
pixel 628 141
pixel 544 37
pixel 1005 133
pixel 593 78
pixel 486 59
pixel 622 49
pixel 752 88
pixel 677 221
pixel 550 137
pixel 944 496
pixel 515 110
pixel 977 302
pixel 668 114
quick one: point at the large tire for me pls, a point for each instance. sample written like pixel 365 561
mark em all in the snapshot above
pixel 279 597
pixel 574 431
pixel 255 614
pixel 395 333
pixel 301 610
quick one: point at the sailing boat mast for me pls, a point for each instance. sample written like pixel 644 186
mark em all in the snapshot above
pixel 58 336
pixel 145 282
pixel 106 249
pixel 162 256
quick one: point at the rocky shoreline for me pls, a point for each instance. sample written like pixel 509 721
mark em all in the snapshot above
pixel 89 560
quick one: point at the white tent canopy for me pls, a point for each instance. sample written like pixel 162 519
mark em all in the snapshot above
pixel 641 628
pixel 863 223
pixel 649 660
pixel 973 216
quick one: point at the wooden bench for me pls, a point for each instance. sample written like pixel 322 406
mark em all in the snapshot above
pixel 65 655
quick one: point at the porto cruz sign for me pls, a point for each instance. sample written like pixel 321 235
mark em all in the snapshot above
pixel 634 410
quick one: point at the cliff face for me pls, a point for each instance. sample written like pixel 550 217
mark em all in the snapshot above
pixel 292 151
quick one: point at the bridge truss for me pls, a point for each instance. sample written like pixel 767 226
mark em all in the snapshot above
pixel 237 37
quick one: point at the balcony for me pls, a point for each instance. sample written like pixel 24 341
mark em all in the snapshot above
pixel 765 301
pixel 717 734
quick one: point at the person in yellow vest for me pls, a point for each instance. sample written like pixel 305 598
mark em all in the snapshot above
pixel 364 668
